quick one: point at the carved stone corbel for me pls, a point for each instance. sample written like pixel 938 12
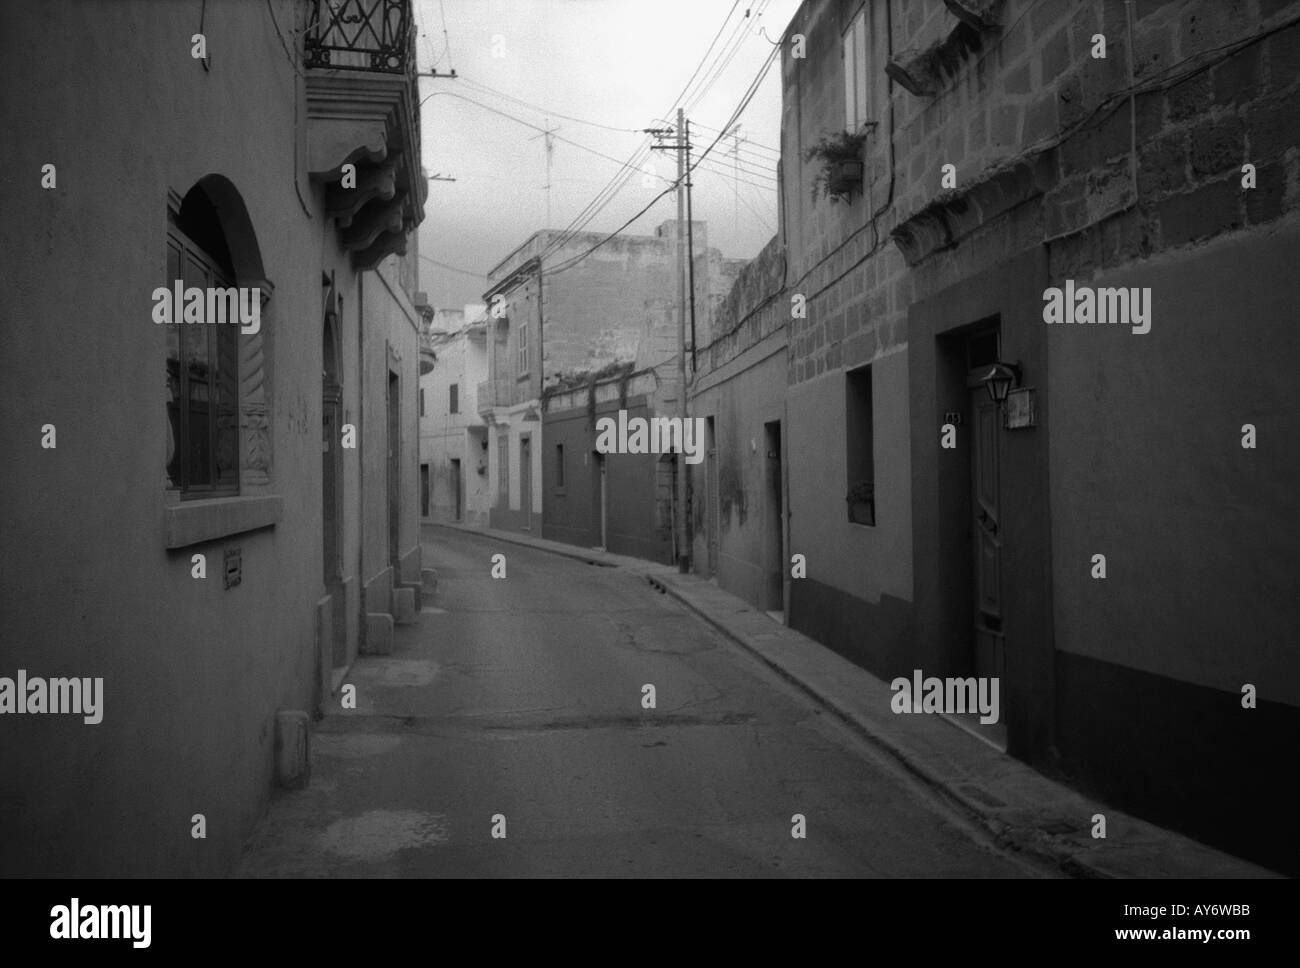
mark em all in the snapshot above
pixel 980 14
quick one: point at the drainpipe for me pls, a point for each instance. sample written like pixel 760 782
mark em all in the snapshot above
pixel 541 381
pixel 361 462
pixel 541 376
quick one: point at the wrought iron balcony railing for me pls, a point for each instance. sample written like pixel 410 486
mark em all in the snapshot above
pixel 362 35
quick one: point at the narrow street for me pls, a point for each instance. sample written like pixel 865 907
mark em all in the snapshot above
pixel 523 697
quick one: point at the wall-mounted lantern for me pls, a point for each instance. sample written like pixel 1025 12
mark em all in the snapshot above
pixel 999 380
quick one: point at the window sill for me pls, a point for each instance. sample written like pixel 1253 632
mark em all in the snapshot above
pixel 193 522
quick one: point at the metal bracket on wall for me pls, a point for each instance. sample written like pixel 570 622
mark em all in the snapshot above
pixel 234 568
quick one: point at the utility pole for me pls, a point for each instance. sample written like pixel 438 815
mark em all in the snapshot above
pixel 550 151
pixel 690 262
pixel 683 489
pixel 681 518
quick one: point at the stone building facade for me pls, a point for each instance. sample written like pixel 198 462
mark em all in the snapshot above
pixel 221 519
pixel 578 333
pixel 979 532
pixel 453 435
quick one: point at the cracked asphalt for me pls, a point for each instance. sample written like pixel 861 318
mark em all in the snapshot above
pixel 516 704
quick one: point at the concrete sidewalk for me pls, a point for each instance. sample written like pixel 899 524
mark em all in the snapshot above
pixel 1020 808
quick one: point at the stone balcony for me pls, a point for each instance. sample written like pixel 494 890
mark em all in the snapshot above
pixel 492 395
pixel 363 110
pixel 485 399
pixel 428 358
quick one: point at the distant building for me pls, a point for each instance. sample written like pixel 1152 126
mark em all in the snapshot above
pixel 453 435
pixel 604 340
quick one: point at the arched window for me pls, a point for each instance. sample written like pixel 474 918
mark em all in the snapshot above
pixel 202 358
pixel 218 428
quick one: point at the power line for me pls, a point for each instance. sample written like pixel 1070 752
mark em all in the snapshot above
pixel 757 214
pixel 725 164
pixel 606 195
pixel 740 108
pixel 528 124
pixel 744 103
pixel 753 162
pixel 603 197
pixel 446 39
pixel 638 157
pixel 734 41
pixel 748 140
pixel 744 201
pixel 749 168
pixel 751 157
pixel 724 173
pixel 443 265
pixel 570 263
pixel 723 62
pixel 700 65
pixel 544 111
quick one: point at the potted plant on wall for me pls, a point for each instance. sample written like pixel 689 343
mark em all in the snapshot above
pixel 862 503
pixel 841 170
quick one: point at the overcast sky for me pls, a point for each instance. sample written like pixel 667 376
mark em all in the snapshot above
pixel 607 64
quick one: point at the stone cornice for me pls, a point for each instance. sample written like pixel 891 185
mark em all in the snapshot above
pixel 515 278
pixel 950 217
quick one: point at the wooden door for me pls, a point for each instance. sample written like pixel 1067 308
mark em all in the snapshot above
pixel 456 487
pixel 394 473
pixel 986 532
pixel 526 480
pixel 775 537
pixel 712 499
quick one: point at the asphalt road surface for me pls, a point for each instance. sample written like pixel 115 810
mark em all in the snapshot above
pixel 516 707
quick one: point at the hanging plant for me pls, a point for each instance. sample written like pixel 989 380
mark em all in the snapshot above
pixel 862 503
pixel 841 170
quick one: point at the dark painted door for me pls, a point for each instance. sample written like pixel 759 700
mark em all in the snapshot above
pixel 456 486
pixel 711 500
pixel 394 473
pixel 986 534
pixel 600 497
pixel 329 483
pixel 526 480
pixel 775 536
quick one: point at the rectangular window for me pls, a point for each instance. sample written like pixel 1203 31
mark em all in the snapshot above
pixel 202 383
pixel 455 398
pixel 503 469
pixel 421 401
pixel 853 52
pixel 559 465
pixel 877 42
pixel 523 349
pixel 866 85
pixel 859 454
